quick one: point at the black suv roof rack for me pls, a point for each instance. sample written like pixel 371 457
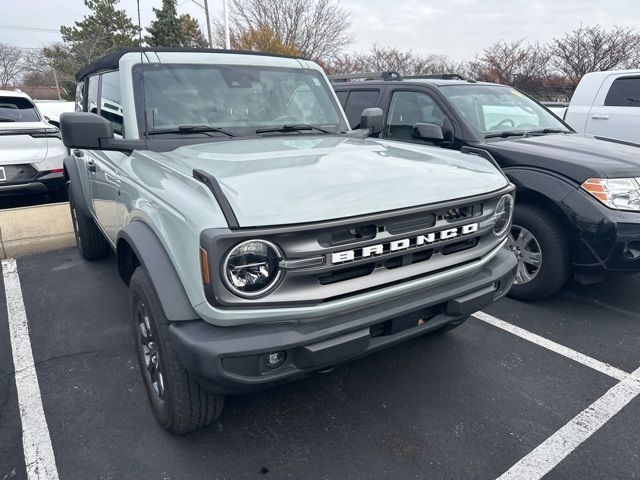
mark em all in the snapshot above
pixel 437 76
pixel 387 76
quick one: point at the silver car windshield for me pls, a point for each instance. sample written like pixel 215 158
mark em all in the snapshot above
pixel 495 109
pixel 237 99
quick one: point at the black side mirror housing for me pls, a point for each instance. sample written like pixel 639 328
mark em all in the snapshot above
pixel 89 131
pixel 430 132
pixel 371 120
pixel 84 130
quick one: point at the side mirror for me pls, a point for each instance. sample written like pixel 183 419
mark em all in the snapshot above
pixel 88 131
pixel 430 132
pixel 46 119
pixel 84 131
pixel 371 119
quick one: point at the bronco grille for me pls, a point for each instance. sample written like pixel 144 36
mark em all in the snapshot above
pixel 363 254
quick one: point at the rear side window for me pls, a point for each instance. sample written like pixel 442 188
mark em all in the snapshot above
pixel 17 109
pixel 92 94
pixel 110 102
pixel 359 100
pixel 342 98
pixel 80 96
pixel 624 92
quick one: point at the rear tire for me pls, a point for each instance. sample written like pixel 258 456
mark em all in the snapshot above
pixel 179 403
pixel 91 243
pixel 537 236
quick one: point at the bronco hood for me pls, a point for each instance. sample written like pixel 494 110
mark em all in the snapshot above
pixel 575 156
pixel 286 180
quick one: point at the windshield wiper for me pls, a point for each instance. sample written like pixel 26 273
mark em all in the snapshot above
pixel 505 134
pixel 293 128
pixel 186 129
pixel 544 131
pixel 6 120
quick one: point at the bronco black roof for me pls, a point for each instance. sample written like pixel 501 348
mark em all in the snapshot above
pixel 111 61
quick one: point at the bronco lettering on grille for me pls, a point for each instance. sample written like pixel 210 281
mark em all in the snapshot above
pixel 403 244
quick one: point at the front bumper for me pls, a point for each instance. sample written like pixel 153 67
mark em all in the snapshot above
pixel 607 241
pixel 46 182
pixel 230 360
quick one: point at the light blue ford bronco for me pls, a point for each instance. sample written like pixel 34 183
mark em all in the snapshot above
pixel 261 238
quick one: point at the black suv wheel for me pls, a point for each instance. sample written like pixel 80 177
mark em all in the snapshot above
pixel 91 242
pixel 540 244
pixel 178 401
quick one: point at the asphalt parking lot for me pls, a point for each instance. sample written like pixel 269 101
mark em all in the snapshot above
pixel 526 390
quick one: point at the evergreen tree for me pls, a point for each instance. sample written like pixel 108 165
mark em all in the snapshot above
pixel 103 31
pixel 171 30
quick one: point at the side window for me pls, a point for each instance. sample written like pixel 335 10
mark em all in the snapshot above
pixel 624 92
pixel 110 102
pixel 92 94
pixel 359 100
pixel 407 109
pixel 342 98
pixel 80 96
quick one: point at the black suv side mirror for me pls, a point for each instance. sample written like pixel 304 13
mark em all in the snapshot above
pixel 371 119
pixel 88 131
pixel 430 132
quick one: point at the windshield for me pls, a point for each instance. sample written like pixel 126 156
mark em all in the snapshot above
pixel 17 109
pixel 237 99
pixel 495 109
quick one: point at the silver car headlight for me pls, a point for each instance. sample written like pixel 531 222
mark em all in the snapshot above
pixel 616 193
pixel 251 269
pixel 503 215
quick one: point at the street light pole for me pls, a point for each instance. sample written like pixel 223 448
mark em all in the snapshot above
pixel 206 12
pixel 227 42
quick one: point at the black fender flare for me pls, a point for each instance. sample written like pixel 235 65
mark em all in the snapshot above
pixel 152 255
pixel 75 185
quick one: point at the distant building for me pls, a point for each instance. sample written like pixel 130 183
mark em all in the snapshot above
pixel 42 92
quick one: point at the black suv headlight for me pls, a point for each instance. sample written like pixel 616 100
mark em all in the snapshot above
pixel 504 212
pixel 251 269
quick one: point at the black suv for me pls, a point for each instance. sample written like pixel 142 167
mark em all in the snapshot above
pixel 578 196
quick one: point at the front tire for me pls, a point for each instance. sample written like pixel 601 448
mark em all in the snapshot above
pixel 179 403
pixel 91 243
pixel 542 248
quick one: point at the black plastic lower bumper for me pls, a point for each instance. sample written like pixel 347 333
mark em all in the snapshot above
pixel 47 183
pixel 608 241
pixel 231 360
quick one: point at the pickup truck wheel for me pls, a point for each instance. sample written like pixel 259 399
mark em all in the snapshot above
pixel 91 243
pixel 541 247
pixel 179 403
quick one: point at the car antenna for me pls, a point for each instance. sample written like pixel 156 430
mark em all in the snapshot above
pixel 144 100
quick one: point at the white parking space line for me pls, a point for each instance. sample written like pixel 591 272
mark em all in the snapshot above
pixel 38 452
pixel 554 347
pixel 558 446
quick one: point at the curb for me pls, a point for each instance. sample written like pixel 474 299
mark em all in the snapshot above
pixel 39 229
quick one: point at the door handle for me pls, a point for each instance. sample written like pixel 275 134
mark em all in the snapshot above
pixel 91 166
pixel 600 116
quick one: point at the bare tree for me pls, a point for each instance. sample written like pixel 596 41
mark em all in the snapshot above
pixel 405 62
pixel 318 29
pixel 11 64
pixel 591 49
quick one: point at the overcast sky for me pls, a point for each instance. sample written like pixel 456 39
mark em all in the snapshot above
pixel 458 28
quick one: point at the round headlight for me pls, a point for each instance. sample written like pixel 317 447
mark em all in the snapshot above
pixel 250 269
pixel 504 211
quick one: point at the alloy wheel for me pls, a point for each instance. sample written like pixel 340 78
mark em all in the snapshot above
pixel 150 354
pixel 527 250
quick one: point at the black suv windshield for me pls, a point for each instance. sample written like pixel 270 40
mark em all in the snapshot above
pixel 493 109
pixel 17 109
pixel 237 99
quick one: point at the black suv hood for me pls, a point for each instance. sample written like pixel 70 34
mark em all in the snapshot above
pixel 578 157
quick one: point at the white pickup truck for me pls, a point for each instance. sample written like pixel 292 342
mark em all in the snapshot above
pixel 607 104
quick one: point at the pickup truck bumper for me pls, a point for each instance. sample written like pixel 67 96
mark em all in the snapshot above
pixel 229 360
pixel 608 241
